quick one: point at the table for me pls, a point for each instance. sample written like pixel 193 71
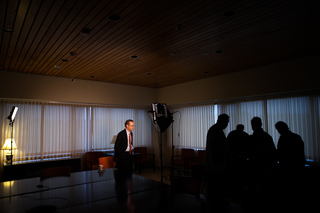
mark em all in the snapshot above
pixel 32 168
pixel 91 191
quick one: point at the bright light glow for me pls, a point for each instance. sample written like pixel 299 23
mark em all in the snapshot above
pixel 13 113
pixel 7 144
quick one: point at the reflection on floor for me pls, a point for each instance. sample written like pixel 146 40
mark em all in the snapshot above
pixel 234 207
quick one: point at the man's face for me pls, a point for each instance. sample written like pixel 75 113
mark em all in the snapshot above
pixel 130 126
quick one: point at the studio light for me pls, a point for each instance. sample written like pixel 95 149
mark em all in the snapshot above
pixel 13 113
pixel 161 119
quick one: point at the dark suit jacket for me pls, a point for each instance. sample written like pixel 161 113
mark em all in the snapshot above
pixel 121 144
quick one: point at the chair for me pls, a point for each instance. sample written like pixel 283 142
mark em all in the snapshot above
pixel 141 158
pixel 189 184
pixel 198 160
pixel 55 171
pixel 107 162
pixel 187 156
pixel 92 159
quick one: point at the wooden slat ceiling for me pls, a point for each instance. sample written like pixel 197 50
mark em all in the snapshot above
pixel 175 41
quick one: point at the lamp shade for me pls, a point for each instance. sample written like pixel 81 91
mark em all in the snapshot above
pixel 7 144
pixel 114 139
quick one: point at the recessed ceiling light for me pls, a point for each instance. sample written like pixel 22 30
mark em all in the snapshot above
pixel 85 32
pixel 149 73
pixel 92 76
pixel 134 56
pixel 218 51
pixel 114 17
pixel 229 13
pixel 179 27
pixel 64 60
pixel 206 72
pixel 7 30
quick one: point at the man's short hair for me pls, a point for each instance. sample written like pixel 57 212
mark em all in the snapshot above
pixel 240 127
pixel 223 118
pixel 256 121
pixel 127 122
pixel 282 126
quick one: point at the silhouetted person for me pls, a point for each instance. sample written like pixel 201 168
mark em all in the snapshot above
pixel 290 150
pixel 238 141
pixel 215 162
pixel 262 164
pixel 262 149
pixel 216 156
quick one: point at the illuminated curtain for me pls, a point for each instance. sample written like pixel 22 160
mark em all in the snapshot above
pixel 66 130
pixel 108 122
pixel 191 125
pixel 45 130
pixel 26 128
pixel 302 116
pixel 242 113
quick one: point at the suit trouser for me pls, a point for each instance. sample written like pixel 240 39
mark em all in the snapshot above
pixel 125 164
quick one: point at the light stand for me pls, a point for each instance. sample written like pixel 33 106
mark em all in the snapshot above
pixel 161 118
pixel 11 118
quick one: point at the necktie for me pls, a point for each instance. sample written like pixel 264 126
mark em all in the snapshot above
pixel 130 142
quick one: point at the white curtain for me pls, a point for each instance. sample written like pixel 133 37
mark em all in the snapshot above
pixel 242 113
pixel 108 122
pixel 300 113
pixel 25 128
pixel 66 130
pixel 302 116
pixel 193 124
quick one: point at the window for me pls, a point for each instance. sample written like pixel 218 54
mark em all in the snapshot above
pixel 300 113
pixel 45 130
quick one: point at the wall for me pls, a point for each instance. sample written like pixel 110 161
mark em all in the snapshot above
pixel 297 75
pixel 29 86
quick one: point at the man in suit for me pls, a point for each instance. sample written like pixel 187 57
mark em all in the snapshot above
pixel 123 147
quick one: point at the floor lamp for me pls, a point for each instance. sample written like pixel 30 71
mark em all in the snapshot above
pixel 11 118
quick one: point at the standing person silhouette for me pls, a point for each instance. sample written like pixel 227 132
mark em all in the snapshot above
pixel 215 163
pixel 123 147
pixel 262 152
pixel 290 149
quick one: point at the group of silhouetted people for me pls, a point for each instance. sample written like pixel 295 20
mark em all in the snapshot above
pixel 258 150
pixel 248 160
